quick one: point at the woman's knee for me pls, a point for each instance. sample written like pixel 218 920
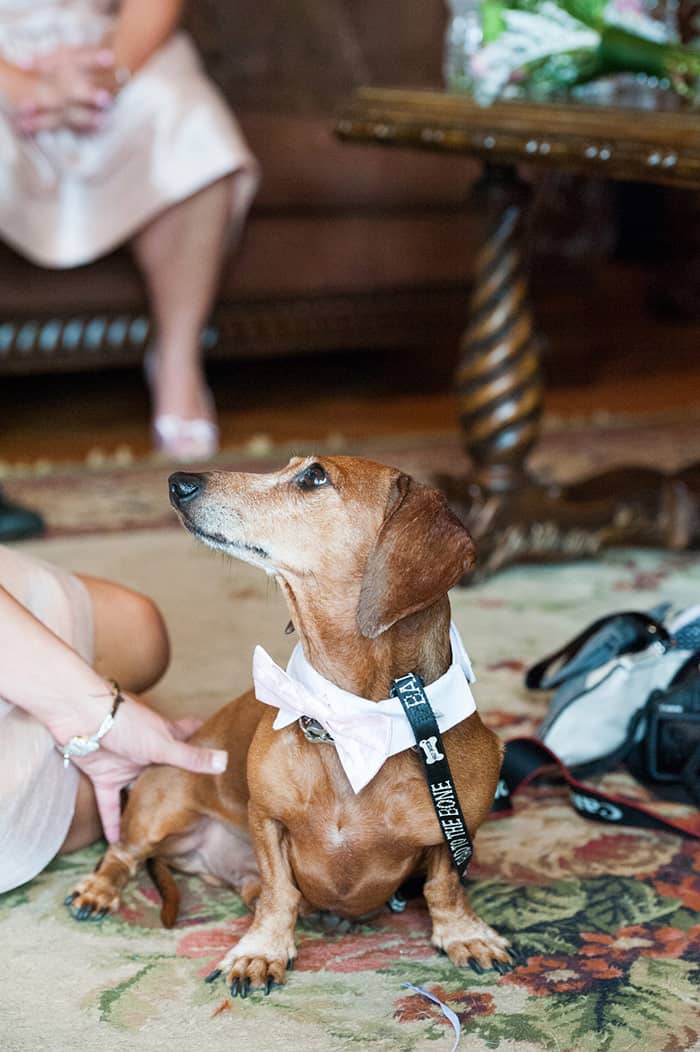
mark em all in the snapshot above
pixel 147 623
pixel 131 638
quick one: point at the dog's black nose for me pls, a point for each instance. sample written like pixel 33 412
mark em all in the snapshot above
pixel 184 487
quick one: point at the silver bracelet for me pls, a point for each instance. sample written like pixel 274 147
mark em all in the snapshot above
pixel 80 744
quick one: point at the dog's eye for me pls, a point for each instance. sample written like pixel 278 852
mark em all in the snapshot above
pixel 312 477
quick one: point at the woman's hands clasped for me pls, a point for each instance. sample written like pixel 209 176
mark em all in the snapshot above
pixel 73 87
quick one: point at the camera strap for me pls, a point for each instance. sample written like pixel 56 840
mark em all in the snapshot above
pixel 441 788
pixel 608 637
pixel 527 759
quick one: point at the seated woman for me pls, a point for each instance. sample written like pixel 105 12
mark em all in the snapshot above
pixel 111 132
pixel 60 636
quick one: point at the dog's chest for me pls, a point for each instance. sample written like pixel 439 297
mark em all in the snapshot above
pixel 348 859
pixel 349 852
pixel 319 805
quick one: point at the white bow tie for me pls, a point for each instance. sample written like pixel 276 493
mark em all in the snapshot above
pixel 365 733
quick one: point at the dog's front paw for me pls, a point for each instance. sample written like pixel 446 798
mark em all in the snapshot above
pixel 477 945
pixel 255 962
pixel 92 898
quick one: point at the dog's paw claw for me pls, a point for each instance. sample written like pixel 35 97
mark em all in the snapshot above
pixel 243 975
pixel 255 963
pixel 93 898
pixel 481 948
pixel 212 975
pixel 88 911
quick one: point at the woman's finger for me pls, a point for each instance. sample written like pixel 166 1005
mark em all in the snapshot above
pixel 80 91
pixel 86 57
pixel 84 119
pixel 42 120
pixel 107 798
pixel 192 757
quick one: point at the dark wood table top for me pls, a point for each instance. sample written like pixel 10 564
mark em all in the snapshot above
pixel 625 144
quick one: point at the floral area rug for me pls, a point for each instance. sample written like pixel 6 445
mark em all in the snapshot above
pixel 607 919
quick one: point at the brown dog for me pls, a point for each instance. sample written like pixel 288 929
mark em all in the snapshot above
pixel 364 556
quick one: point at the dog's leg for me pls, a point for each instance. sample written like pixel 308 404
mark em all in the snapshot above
pixel 99 893
pixel 156 809
pixel 457 930
pixel 262 956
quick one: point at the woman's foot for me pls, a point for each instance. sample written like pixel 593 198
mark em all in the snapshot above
pixel 184 417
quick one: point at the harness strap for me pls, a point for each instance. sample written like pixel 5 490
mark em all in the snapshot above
pixel 414 701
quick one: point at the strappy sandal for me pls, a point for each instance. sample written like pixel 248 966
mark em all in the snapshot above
pixel 185 440
pixel 177 437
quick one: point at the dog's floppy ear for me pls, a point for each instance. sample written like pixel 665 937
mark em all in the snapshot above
pixel 422 550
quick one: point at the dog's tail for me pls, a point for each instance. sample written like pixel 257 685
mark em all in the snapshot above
pixel 160 874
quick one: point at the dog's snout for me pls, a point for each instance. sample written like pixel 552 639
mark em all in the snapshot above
pixel 184 487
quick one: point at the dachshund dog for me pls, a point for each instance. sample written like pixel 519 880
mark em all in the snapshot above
pixel 364 556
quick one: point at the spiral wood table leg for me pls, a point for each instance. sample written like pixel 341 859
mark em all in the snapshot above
pixel 512 516
pixel 498 378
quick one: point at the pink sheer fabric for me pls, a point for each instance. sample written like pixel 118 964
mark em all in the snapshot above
pixel 37 794
pixel 66 199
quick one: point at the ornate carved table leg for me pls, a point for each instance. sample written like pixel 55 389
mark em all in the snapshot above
pixel 498 378
pixel 511 515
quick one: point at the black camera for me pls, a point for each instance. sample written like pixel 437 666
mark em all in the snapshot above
pixel 668 734
pixel 673 730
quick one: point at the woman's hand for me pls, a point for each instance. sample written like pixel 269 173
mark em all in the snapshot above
pixel 85 79
pixel 47 678
pixel 32 102
pixel 139 737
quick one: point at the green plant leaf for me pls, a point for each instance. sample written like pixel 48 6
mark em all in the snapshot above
pixel 616 902
pixel 515 909
pixel 549 939
pixel 659 1002
pixel 512 1026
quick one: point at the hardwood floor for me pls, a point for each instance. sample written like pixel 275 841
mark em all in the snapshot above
pixel 604 353
pixel 67 417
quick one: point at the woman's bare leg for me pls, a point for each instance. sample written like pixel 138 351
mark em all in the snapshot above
pixel 131 646
pixel 131 640
pixel 86 827
pixel 181 253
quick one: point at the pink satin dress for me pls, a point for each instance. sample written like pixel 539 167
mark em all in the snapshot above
pixel 66 199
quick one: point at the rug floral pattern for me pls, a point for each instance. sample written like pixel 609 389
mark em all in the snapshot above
pixel 609 961
pixel 606 919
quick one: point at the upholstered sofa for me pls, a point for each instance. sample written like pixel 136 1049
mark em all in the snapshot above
pixel 347 246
